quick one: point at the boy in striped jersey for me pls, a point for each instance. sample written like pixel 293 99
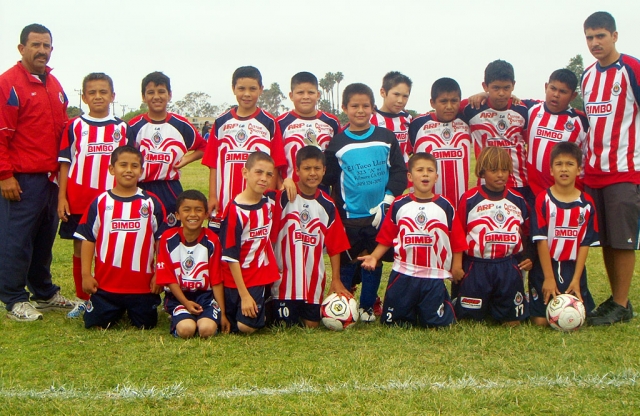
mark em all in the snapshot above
pixel 563 226
pixel 611 91
pixel 85 151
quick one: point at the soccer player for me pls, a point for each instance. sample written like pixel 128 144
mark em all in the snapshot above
pixel 189 265
pixel 551 122
pixel 303 228
pixel 235 135
pixel 366 169
pixel 499 122
pixel 611 91
pixel 305 125
pixel 248 263
pixel 85 151
pixel 428 242
pixel 167 141
pixel 119 229
pixel 563 226
pixel 446 136
pixel 494 218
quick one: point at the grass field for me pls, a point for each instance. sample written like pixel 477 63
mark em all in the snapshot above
pixel 55 366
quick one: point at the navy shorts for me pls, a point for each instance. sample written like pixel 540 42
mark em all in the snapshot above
pixel 204 298
pixel 167 192
pixel 233 306
pixel 290 312
pixel 68 229
pixel 491 286
pixel 416 301
pixel 563 272
pixel 105 309
pixel 362 237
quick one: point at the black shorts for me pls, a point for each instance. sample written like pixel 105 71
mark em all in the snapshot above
pixel 362 237
pixel 68 229
pixel 563 273
pixel 491 286
pixel 204 298
pixel 618 211
pixel 167 192
pixel 233 306
pixel 290 312
pixel 104 309
pixel 416 301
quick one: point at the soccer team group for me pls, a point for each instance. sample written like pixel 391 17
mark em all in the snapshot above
pixel 552 182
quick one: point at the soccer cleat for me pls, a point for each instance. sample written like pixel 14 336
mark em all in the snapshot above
pixel 24 312
pixel 377 307
pixel 56 301
pixel 613 314
pixel 604 307
pixel 367 316
pixel 78 310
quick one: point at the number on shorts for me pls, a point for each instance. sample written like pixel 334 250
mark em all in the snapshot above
pixel 519 309
pixel 283 312
pixel 389 317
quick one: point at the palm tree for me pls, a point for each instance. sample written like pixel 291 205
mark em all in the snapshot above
pixel 324 85
pixel 338 77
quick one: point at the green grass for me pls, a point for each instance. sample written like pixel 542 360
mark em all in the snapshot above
pixel 55 366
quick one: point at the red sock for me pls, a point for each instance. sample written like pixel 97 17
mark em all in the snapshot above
pixel 77 278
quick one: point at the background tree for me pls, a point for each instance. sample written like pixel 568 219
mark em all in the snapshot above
pixel 131 114
pixel 338 77
pixel 196 104
pixel 74 112
pixel 324 105
pixel 324 86
pixel 271 100
pixel 576 65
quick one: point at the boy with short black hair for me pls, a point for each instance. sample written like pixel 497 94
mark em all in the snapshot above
pixel 564 226
pixel 445 135
pixel 189 265
pixel 249 265
pixel 428 242
pixel 234 136
pixel 119 229
pixel 85 153
pixel 167 141
pixel 305 125
pixel 366 169
pixel 302 229
pixel 494 218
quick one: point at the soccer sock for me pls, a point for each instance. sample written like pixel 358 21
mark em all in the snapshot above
pixel 346 274
pixel 370 284
pixel 77 278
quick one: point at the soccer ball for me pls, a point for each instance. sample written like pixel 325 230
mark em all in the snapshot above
pixel 566 313
pixel 339 312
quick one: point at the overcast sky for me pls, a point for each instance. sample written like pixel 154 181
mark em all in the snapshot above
pixel 200 43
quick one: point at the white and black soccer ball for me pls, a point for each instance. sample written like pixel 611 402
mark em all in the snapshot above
pixel 339 312
pixel 566 313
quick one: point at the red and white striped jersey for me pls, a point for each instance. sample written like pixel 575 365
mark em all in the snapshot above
pixel 504 129
pixel 194 266
pixel 566 225
pixel 493 222
pixel 298 132
pixel 86 146
pixel 301 230
pixel 124 231
pixel 613 142
pixel 450 144
pixel 424 235
pixel 232 140
pixel 163 144
pixel 399 125
pixel 545 130
pixel 245 236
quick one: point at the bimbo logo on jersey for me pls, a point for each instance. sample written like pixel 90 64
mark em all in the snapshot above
pixel 565 232
pixel 444 153
pixel 417 240
pixel 602 109
pixel 500 142
pixel 125 225
pixel 236 157
pixel 260 232
pixel 100 149
pixel 306 238
pixel 505 238
pixel 157 157
pixel 553 135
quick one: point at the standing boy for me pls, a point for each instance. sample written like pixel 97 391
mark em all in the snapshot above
pixel 366 169
pixel 303 228
pixel 235 135
pixel 563 226
pixel 305 125
pixel 167 141
pixel 611 91
pixel 428 242
pixel 248 261
pixel 119 229
pixel 444 135
pixel 85 153
pixel 189 264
